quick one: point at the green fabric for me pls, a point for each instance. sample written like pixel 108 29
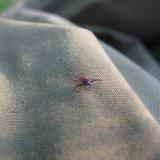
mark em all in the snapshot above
pixel 44 116
pixel 4 4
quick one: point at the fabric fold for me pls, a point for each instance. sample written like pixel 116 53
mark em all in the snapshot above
pixel 45 116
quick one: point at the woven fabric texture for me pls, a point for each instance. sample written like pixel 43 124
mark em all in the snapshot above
pixel 45 116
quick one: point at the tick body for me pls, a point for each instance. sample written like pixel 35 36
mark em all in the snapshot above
pixel 85 80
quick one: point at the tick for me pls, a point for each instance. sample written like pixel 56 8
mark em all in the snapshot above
pixel 85 80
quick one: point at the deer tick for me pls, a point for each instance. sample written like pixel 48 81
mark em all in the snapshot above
pixel 85 80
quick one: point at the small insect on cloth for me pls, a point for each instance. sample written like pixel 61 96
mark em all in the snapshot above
pixel 85 80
